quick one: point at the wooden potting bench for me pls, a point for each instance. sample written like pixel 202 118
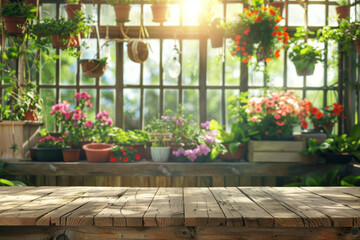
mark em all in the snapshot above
pixel 179 213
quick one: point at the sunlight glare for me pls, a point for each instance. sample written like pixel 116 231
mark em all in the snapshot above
pixel 191 12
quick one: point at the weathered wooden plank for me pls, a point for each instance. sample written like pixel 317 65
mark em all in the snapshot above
pixel 218 181
pixel 350 190
pixel 276 146
pixel 201 208
pixel 340 215
pixel 277 157
pixel 283 216
pixel 28 212
pixel 152 169
pixel 239 210
pixel 166 209
pixel 232 181
pixel 311 217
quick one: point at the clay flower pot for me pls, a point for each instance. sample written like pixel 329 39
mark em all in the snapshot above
pixel 159 11
pixel 217 37
pixel 11 24
pixel 122 12
pixel 71 155
pixel 343 11
pixel 59 41
pixel 97 152
pixel 71 9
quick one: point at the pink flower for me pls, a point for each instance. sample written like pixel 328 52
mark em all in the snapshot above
pixel 67 116
pixel 301 118
pixel 77 116
pixel 106 112
pixel 66 134
pixel 98 115
pixel 74 123
pixel 77 96
pixel 277 116
pixel 280 123
pixel 89 105
pixel 258 109
pixel 270 103
pixel 276 97
pixel 254 119
pixel 89 124
pixel 109 122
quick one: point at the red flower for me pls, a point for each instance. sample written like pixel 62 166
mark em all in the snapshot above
pixel 137 157
pixel 232 53
pixel 244 43
pixel 272 12
pixel 237 37
pixel 319 115
pixel 276 27
pixel 131 148
pixel 237 48
pixel 237 42
pixel 242 49
pixel 266 133
pixel 245 53
pixel 126 159
pixel 304 124
pixel 273 34
pixel 314 111
pixel 246 32
pixel 279 131
pixel 245 60
pixel 280 123
pixel 277 53
pixel 257 19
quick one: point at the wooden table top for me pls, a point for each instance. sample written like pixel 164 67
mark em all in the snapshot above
pixel 165 207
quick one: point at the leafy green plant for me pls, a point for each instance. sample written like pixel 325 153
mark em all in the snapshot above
pixel 343 2
pixel 7 182
pixel 73 1
pixel 19 8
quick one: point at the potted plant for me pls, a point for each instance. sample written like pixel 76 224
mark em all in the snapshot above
pixel 326 118
pixel 122 9
pixel 216 33
pixel 93 68
pixel 73 6
pixel 279 5
pixel 15 14
pixel 159 10
pixel 49 149
pixel 124 154
pixel 304 55
pixel 159 136
pixel 256 33
pixel 343 10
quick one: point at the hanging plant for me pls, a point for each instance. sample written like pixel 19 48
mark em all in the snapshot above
pixel 256 33
pixel 304 55
pixel 159 10
pixel 343 10
pixel 72 7
pixel 122 9
pixel 93 68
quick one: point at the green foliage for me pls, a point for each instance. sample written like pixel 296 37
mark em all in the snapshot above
pixel 350 181
pixel 343 2
pixel 73 1
pixel 301 50
pixel 314 179
pixel 19 8
pixel 6 182
pixel 125 153
pixel 114 2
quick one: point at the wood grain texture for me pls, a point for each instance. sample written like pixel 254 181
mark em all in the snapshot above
pixel 201 208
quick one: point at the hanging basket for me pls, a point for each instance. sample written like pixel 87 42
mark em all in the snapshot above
pixel 343 11
pixel 217 37
pixel 304 67
pixel 93 68
pixel 59 41
pixel 122 12
pixel 159 11
pixel 71 9
pixel 12 25
pixel 138 50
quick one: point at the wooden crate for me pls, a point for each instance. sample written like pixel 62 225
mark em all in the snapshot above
pixel 26 135
pixel 277 151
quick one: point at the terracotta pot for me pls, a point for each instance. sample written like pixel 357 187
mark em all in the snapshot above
pixel 279 6
pixel 80 146
pixel 59 41
pixel 329 126
pixel 71 155
pixel 238 155
pixel 357 44
pixel 343 11
pixel 97 152
pixel 11 24
pixel 93 68
pixel 30 116
pixel 71 9
pixel 122 12
pixel 159 11
pixel 217 37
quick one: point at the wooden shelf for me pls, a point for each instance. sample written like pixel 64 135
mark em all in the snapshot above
pixel 146 168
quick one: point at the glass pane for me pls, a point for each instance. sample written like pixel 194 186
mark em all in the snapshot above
pixel 296 15
pixel 256 77
pixel 293 80
pixel 63 11
pixel 89 53
pixel 91 111
pixel 232 10
pixel 131 70
pixel 69 96
pixel 68 69
pixel 228 93
pixel 333 60
pixel 48 10
pixel 148 16
pixel 232 68
pixel 168 52
pixel 332 16
pixel 135 13
pixel 190 62
pixel 191 103
pixel 151 74
pixel 332 97
pixel 214 66
pixel 317 79
pixel 49 100
pixel 316 97
pixel 48 69
pixel 107 15
pixel 316 15
pixel 151 105
pixel 171 99
pixel 174 15
pixel 109 51
pixel 107 101
pixel 132 109
pixel 91 10
pixel 214 105
pixel 276 71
